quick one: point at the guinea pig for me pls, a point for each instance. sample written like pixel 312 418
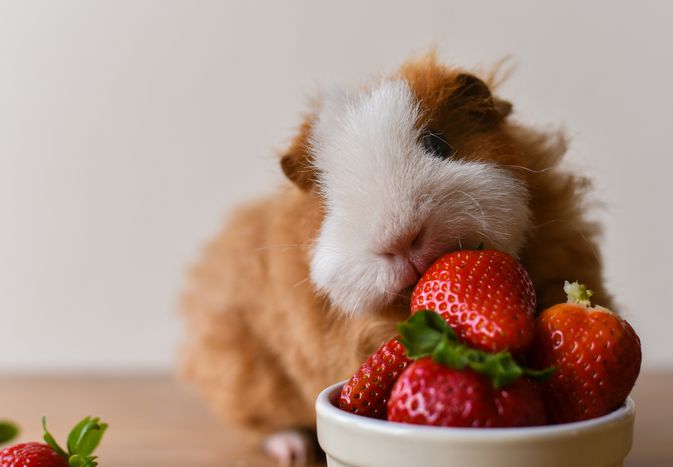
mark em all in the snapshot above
pixel 300 286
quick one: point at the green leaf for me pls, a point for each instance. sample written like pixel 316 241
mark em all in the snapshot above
pixel 449 354
pixel 424 335
pixel 433 320
pixel 8 431
pixel 91 438
pixel 500 367
pixel 79 460
pixel 82 440
pixel 418 340
pixel 49 439
pixel 503 369
pixel 76 434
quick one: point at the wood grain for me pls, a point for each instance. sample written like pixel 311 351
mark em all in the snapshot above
pixel 156 421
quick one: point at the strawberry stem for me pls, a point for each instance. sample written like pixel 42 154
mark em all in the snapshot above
pixel 49 439
pixel 425 334
pixel 577 293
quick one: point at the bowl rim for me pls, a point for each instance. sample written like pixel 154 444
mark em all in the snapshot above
pixel 326 409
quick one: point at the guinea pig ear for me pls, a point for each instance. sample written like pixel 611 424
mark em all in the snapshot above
pixel 297 161
pixel 473 96
pixel 298 169
pixel 503 107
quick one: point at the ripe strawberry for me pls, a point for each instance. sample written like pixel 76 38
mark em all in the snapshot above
pixel 368 390
pixel 486 296
pixel 25 454
pixel 429 393
pixel 82 440
pixel 596 354
pixel 460 385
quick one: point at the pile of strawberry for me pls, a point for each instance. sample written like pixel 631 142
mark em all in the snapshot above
pixel 458 359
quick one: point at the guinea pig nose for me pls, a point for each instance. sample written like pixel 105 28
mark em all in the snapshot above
pixel 416 241
pixel 404 244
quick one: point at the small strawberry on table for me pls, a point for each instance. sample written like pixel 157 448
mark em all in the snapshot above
pixel 82 441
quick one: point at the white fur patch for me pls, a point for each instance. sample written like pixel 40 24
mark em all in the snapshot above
pixel 382 189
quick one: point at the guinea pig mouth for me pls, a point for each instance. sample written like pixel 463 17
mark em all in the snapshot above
pixel 419 264
pixel 409 276
pixel 407 270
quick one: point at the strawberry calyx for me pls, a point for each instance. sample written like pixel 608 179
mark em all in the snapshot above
pixel 425 333
pixel 82 441
pixel 578 294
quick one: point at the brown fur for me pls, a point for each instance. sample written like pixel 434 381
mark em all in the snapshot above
pixel 262 344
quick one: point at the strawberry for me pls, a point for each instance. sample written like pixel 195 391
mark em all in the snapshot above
pixel 460 385
pixel 26 454
pixel 82 440
pixel 596 354
pixel 429 393
pixel 486 296
pixel 367 391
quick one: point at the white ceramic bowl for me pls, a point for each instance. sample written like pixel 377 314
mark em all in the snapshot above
pixel 352 440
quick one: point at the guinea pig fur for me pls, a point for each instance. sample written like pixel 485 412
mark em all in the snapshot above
pixel 300 286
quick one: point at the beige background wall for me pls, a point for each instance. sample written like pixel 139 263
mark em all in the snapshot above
pixel 128 129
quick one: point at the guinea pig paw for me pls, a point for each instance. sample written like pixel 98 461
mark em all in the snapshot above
pixel 289 447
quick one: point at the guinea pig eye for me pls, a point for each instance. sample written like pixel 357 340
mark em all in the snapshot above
pixel 435 144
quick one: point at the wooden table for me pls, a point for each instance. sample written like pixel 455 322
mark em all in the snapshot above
pixel 155 421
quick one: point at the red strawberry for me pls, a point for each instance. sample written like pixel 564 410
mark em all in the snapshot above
pixel 429 393
pixel 82 440
pixel 367 392
pixel 596 354
pixel 486 296
pixel 460 385
pixel 26 454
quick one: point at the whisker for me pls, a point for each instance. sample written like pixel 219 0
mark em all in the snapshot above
pixel 280 245
pixel 528 169
pixel 499 232
pixel 301 282
pixel 356 306
pixel 479 232
pixel 394 294
pixel 481 220
pixel 474 200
